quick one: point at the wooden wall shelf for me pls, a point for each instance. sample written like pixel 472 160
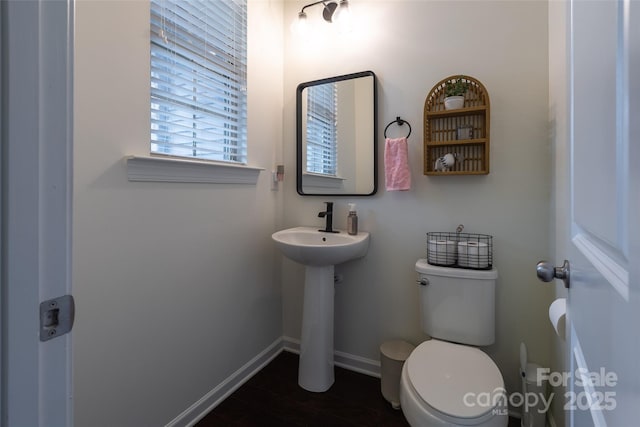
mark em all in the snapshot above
pixel 440 130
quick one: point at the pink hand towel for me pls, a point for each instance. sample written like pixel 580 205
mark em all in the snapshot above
pixel 396 164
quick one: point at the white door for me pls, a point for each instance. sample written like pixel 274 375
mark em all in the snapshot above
pixel 36 209
pixel 604 248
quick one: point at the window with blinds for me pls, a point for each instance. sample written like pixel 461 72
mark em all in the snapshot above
pixel 199 79
pixel 322 129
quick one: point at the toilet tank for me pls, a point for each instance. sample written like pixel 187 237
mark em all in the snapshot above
pixel 456 304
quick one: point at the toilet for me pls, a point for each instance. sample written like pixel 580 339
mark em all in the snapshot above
pixel 447 381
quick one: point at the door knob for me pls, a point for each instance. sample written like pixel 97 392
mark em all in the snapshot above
pixel 547 272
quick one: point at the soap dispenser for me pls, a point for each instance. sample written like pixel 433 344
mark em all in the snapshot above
pixel 352 220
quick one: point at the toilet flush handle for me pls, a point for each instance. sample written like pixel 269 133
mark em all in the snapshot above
pixel 423 281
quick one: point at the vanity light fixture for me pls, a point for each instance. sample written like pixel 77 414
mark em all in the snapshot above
pixel 332 11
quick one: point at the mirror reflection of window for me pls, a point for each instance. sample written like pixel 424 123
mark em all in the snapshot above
pixel 322 129
pixel 336 135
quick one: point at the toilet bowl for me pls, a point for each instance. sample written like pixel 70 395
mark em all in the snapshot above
pixel 446 381
pixel 446 384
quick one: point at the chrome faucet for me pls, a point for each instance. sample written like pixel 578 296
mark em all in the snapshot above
pixel 328 214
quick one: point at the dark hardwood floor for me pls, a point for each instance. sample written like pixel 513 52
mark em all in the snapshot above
pixel 273 398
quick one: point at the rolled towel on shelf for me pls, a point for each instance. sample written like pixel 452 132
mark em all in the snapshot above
pixel 445 163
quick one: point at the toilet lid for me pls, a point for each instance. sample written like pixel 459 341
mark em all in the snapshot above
pixel 457 380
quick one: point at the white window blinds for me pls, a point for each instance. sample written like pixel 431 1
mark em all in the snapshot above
pixel 322 130
pixel 199 78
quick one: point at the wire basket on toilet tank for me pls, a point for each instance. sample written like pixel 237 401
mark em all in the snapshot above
pixel 460 250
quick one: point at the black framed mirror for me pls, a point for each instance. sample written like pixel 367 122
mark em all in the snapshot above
pixel 336 125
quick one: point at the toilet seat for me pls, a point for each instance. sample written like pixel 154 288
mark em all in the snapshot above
pixel 456 381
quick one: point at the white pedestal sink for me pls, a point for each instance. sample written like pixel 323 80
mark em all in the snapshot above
pixel 319 252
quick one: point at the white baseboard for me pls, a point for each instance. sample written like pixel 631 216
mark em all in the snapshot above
pixel 343 360
pixel 202 407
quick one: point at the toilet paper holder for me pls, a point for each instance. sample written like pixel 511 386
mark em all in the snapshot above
pixel 547 272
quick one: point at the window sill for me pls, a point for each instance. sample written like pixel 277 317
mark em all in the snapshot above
pixel 161 169
pixel 322 181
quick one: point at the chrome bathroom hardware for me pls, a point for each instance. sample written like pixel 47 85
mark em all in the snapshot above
pixel 547 272
pixel 423 282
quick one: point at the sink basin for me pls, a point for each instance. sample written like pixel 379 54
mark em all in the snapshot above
pixel 309 246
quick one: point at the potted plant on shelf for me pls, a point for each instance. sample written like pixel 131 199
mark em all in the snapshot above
pixel 454 91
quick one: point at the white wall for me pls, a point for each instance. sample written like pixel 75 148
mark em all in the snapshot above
pixel 411 45
pixel 176 285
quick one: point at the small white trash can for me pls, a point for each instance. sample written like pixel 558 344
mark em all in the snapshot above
pixel 392 357
pixel 535 392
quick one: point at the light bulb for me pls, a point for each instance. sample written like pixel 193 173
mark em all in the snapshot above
pixel 343 17
pixel 299 26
